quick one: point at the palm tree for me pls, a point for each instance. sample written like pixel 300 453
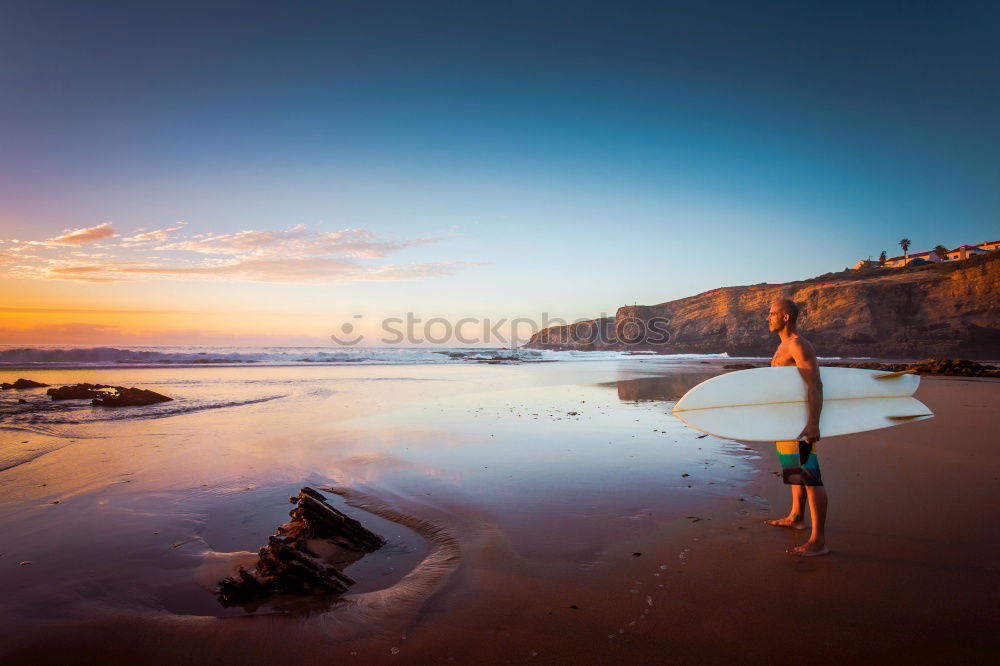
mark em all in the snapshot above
pixel 881 258
pixel 942 252
pixel 905 244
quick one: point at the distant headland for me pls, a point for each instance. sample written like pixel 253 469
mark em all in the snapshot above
pixel 925 309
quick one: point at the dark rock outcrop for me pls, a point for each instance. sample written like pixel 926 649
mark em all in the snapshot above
pixel 306 555
pixel 130 397
pixel 22 384
pixel 107 396
pixel 932 366
pixel 941 309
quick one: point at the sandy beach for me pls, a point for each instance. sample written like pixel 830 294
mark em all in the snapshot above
pixel 549 512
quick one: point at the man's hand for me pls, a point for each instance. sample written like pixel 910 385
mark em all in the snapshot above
pixel 810 434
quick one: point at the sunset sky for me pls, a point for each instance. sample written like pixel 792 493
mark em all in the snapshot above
pixel 254 173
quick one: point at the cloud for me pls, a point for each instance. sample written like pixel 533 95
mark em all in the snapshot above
pixel 311 270
pixel 155 236
pixel 71 332
pixel 294 255
pixel 418 271
pixel 36 310
pixel 81 333
pixel 297 241
pixel 82 236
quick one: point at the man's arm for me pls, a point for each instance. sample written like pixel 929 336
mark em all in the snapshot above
pixel 805 361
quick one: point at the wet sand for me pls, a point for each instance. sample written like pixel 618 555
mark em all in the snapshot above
pixel 518 532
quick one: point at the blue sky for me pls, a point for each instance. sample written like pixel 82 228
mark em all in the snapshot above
pixel 559 157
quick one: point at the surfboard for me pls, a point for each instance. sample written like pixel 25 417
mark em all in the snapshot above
pixel 769 404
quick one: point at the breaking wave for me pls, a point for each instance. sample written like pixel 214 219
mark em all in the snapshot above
pixel 105 357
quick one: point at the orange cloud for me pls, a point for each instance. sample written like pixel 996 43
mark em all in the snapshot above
pixel 297 241
pixel 154 236
pixel 85 333
pixel 296 255
pixel 82 236
pixel 309 270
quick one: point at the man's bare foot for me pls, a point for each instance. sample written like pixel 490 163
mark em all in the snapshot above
pixel 809 549
pixel 788 521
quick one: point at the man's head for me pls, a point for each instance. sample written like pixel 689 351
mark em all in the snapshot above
pixel 783 314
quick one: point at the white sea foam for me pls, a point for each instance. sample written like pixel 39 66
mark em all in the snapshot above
pixel 150 356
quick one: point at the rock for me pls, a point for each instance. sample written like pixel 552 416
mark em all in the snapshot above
pixel 948 309
pixel 130 397
pixel 932 366
pixel 943 366
pixel 22 401
pixel 107 396
pixel 22 384
pixel 77 391
pixel 741 366
pixel 306 555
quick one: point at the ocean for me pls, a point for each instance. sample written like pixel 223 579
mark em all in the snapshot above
pixel 51 357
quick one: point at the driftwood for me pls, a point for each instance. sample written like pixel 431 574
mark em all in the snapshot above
pixel 307 555
pixel 107 396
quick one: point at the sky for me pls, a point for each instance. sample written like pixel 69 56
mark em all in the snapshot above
pixel 259 173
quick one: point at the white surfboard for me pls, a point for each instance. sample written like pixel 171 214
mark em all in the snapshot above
pixel 769 404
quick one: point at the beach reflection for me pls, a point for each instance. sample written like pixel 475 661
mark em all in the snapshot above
pixel 539 466
pixel 669 388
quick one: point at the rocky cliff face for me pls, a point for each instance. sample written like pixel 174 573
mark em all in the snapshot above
pixel 935 310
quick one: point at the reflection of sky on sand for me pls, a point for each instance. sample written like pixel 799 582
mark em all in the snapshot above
pixel 557 484
pixel 669 388
pixel 494 448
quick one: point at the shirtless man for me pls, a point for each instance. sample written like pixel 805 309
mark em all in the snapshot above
pixel 799 465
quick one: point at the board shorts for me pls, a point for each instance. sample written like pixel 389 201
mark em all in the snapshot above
pixel 799 464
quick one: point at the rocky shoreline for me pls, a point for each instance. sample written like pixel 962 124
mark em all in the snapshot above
pixel 100 395
pixel 932 366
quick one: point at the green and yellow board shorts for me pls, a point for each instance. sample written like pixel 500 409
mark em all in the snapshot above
pixel 799 464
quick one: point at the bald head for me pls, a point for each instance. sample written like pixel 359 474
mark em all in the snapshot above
pixel 783 314
pixel 787 306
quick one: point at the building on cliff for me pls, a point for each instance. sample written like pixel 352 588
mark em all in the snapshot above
pixel 958 254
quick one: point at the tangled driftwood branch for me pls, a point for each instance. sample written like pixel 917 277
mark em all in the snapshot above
pixel 307 555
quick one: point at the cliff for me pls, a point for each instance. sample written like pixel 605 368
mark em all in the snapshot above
pixel 918 311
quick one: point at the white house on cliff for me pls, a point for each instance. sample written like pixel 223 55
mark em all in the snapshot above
pixel 958 254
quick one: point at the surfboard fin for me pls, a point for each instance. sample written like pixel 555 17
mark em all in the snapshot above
pixel 890 375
